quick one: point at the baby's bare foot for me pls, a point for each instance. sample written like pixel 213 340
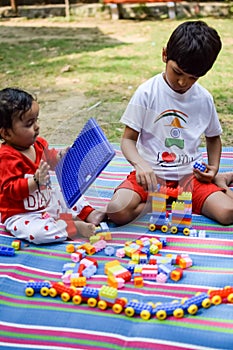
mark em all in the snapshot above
pixel 96 217
pixel 84 229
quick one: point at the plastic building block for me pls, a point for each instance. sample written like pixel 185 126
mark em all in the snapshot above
pixel 78 281
pixel 176 274
pixel 70 248
pixel 7 251
pixel 88 156
pixel 200 166
pixel 37 287
pixel 109 251
pixel 219 295
pixel 143 309
pixel 16 244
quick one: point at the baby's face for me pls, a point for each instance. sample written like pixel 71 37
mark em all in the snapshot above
pixel 25 129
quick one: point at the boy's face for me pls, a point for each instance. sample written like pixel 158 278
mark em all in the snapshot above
pixel 176 78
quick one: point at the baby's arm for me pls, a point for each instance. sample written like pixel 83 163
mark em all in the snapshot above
pixel 144 173
pixel 213 146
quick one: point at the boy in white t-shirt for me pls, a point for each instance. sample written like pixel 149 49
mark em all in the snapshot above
pixel 164 121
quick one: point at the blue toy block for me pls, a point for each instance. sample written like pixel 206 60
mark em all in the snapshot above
pixel 199 166
pixel 89 292
pixel 7 251
pixel 85 160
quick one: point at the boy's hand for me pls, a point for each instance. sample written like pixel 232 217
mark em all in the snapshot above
pixel 145 177
pixel 206 176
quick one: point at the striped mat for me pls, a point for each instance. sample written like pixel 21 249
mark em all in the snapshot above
pixel 51 324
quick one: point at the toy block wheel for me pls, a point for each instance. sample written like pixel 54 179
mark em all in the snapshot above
pixel 145 315
pixel 92 302
pixel 44 291
pixel 178 313
pixel 192 309
pixel 102 305
pixel 77 299
pixel 186 231
pixel 230 298
pixel 206 303
pixel 216 300
pixel 53 292
pixel 164 228
pixel 152 227
pixel 174 229
pixel 29 292
pixel 161 315
pixel 117 308
pixel 129 311
pixel 65 296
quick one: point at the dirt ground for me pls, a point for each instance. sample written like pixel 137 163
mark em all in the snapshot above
pixel 63 109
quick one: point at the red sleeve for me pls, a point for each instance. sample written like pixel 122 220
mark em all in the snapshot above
pixel 12 181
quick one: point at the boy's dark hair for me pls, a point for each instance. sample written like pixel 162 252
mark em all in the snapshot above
pixel 194 46
pixel 13 103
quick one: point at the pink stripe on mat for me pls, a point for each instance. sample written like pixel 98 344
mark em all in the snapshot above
pixel 77 336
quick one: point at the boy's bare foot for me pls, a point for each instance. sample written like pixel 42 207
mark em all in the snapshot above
pixel 84 229
pixel 224 179
pixel 96 217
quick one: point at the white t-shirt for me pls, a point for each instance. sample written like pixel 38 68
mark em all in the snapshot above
pixel 170 125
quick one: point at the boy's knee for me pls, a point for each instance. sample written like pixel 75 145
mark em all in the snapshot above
pixel 226 217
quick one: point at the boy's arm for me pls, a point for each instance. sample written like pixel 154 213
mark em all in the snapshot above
pixel 145 175
pixel 213 147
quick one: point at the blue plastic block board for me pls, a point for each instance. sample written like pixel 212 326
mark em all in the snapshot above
pixel 84 161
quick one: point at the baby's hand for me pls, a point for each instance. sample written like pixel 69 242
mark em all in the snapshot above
pixel 42 173
pixel 62 152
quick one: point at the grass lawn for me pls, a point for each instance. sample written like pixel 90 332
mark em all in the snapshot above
pixel 104 61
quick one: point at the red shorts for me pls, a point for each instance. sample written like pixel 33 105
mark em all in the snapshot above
pixel 200 191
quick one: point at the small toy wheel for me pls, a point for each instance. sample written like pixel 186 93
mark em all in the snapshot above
pixel 117 308
pixel 174 229
pixel 77 299
pixel 52 292
pixel 206 303
pixel 164 228
pixel 178 313
pixel 152 227
pixel 92 302
pixel 102 305
pixel 192 309
pixel 216 300
pixel 145 315
pixel 65 296
pixel 44 291
pixel 161 315
pixel 29 292
pixel 186 231
pixel 230 298
pixel 129 311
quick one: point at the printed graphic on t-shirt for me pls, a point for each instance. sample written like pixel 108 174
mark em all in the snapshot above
pixel 37 199
pixel 174 139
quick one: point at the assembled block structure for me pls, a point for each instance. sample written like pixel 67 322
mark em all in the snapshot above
pixel 180 218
